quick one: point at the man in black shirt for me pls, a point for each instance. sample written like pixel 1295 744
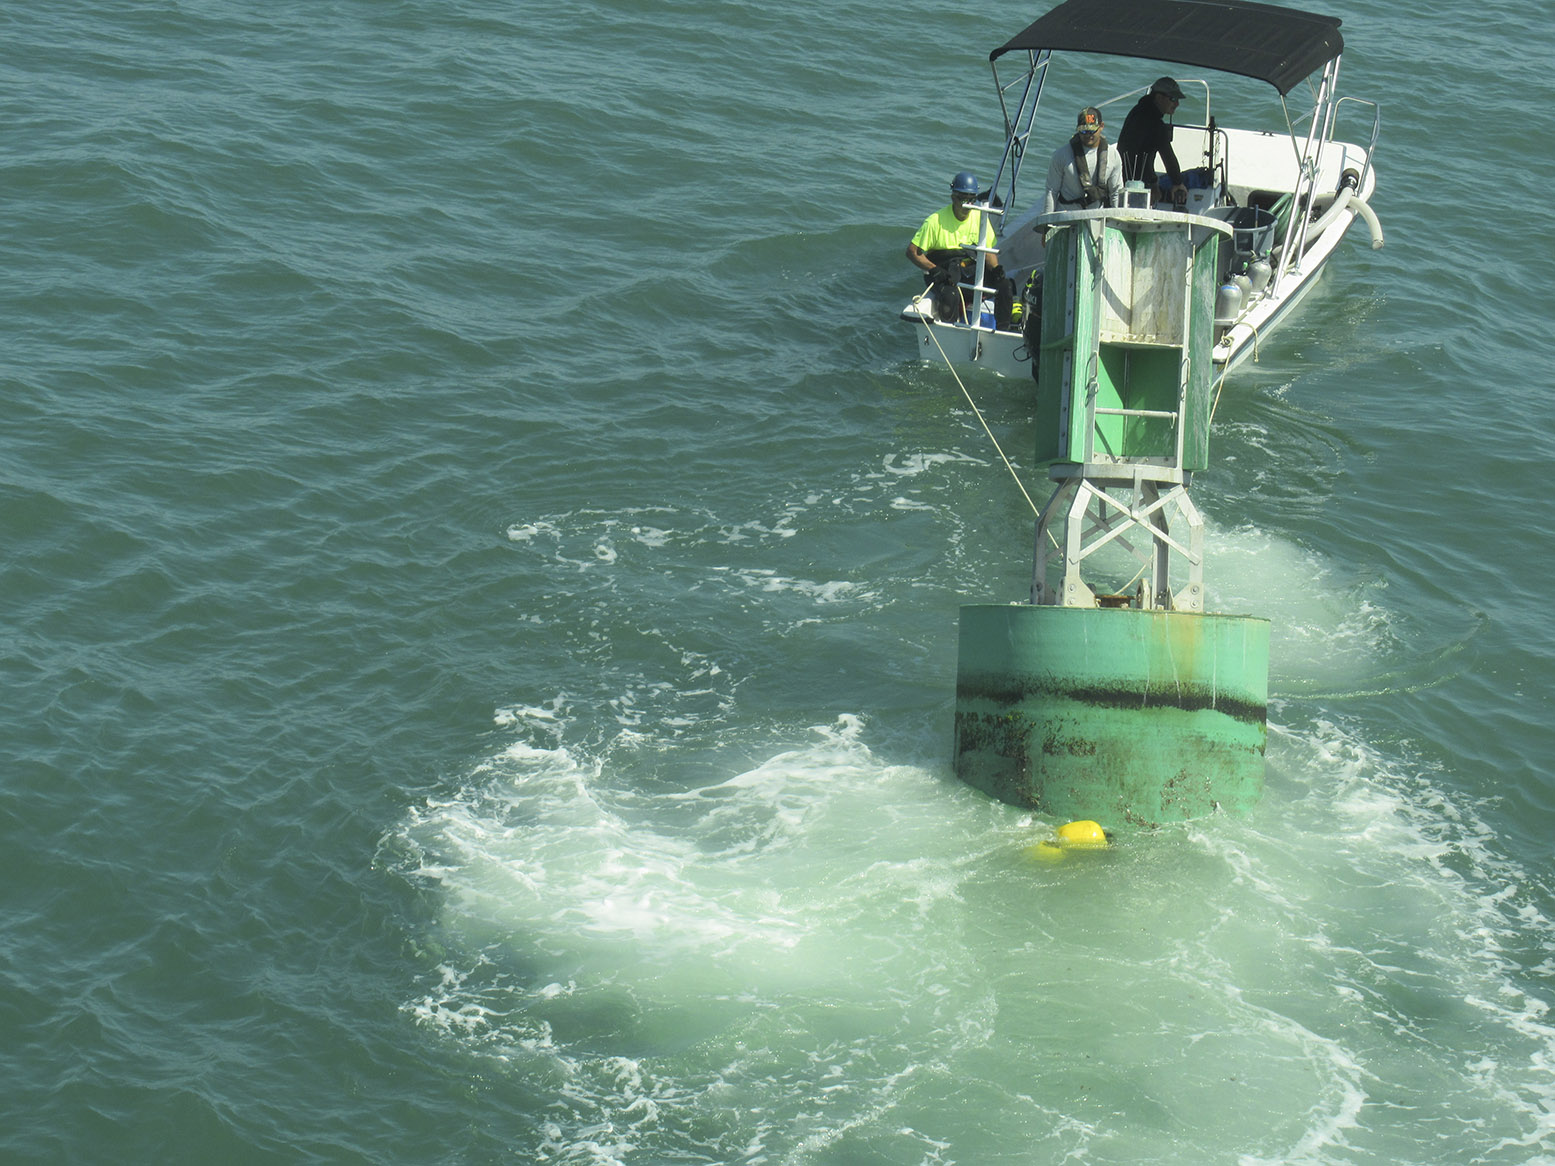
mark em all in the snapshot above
pixel 1146 133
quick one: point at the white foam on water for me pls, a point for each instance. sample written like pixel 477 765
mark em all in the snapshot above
pixel 729 911
pixel 1329 627
pixel 1398 900
pixel 908 465
pixel 507 718
pixel 529 531
pixel 695 944
pixel 826 954
pixel 821 591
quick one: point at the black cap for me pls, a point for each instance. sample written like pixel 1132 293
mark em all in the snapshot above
pixel 1167 86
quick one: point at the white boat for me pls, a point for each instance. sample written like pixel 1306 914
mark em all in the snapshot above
pixel 1289 193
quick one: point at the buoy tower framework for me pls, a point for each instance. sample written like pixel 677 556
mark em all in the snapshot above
pixel 1131 707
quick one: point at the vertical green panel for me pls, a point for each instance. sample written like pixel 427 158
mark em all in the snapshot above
pixel 1153 374
pixel 1201 371
pixel 1068 334
pixel 1057 344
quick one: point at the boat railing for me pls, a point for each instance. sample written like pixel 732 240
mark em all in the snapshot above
pixel 1020 98
pixel 1309 160
pixel 978 287
pixel 1376 128
pixel 1018 119
pixel 1298 220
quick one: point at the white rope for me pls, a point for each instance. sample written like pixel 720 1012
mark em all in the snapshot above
pixel 1226 371
pixel 978 413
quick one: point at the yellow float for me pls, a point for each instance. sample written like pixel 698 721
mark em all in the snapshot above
pixel 1081 835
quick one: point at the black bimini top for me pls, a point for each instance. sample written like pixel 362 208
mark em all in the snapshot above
pixel 1277 45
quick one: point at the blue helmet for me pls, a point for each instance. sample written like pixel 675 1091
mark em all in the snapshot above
pixel 964 183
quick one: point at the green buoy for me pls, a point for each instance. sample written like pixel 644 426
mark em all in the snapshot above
pixel 1128 706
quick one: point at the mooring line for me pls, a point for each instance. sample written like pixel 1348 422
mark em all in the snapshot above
pixel 978 413
pixel 1226 371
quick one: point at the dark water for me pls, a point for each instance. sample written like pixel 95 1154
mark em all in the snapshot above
pixel 480 575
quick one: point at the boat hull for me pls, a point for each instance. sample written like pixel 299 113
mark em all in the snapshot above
pixel 956 344
pixel 1123 716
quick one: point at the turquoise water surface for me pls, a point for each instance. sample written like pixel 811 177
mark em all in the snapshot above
pixel 480 573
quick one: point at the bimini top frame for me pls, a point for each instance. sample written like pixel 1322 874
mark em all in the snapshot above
pixel 1277 45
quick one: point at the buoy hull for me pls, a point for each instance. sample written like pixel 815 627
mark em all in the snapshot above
pixel 1119 715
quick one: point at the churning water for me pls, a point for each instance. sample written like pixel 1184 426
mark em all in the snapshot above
pixel 481 570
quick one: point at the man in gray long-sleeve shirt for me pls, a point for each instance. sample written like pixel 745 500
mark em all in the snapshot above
pixel 1083 173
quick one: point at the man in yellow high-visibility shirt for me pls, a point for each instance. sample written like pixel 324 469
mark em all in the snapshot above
pixel 948 239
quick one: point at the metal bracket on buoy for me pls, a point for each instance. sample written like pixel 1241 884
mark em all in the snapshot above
pixel 1131 399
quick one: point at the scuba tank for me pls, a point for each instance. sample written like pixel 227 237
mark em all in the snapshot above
pixel 1228 302
pixel 1259 272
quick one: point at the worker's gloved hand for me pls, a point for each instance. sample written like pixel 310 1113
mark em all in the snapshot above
pixel 942 276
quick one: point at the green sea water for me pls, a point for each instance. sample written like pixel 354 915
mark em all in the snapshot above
pixel 480 562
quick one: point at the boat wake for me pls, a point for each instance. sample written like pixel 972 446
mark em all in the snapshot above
pixel 691 931
pixel 827 950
